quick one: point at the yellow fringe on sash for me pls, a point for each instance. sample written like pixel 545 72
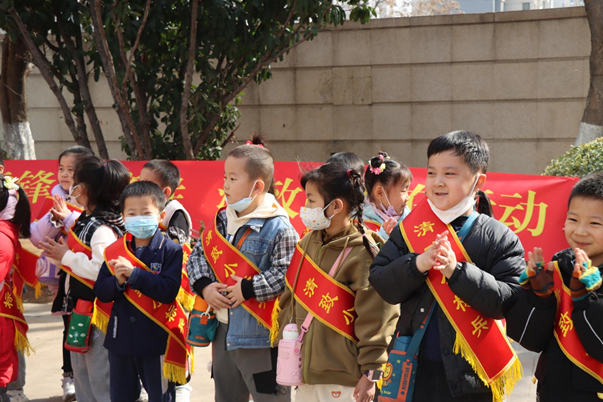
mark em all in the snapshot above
pixel 100 320
pixel 174 373
pixel 501 386
pixel 186 300
pixel 22 344
pixel 275 328
pixel 38 289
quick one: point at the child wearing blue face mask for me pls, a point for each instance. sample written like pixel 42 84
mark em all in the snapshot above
pixel 254 230
pixel 387 183
pixel 150 265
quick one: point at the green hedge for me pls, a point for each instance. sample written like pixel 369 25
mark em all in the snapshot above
pixel 578 161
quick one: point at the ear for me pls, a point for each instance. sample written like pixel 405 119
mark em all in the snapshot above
pixel 1 169
pixel 162 216
pixel 259 186
pixel 337 206
pixel 480 182
pixel 378 192
pixel 167 192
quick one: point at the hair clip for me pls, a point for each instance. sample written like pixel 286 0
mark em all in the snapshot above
pixel 381 157
pixel 10 183
pixel 349 173
pixel 251 143
pixel 378 170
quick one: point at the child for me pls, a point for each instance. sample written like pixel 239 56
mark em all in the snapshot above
pixel 97 187
pixel 136 343
pixel 177 222
pixel 476 290
pixel 50 225
pixel 255 233
pixel 387 183
pixel 15 216
pixel 339 361
pixel 566 323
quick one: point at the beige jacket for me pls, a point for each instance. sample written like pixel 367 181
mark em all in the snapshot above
pixel 328 357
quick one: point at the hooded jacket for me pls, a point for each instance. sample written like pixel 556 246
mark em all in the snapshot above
pixel 328 357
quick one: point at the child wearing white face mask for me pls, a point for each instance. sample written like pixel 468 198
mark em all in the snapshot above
pixel 346 326
pixel 141 276
pixel 239 268
pixel 453 271
pixel 387 183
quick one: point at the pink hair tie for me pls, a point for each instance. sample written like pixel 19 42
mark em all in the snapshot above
pixel 251 143
pixel 381 157
pixel 378 170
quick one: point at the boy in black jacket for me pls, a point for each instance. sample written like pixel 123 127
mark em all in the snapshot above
pixel 136 343
pixel 457 163
pixel 535 322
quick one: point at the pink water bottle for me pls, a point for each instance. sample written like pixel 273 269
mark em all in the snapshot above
pixel 289 362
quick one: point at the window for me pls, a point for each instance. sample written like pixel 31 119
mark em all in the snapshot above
pixel 525 6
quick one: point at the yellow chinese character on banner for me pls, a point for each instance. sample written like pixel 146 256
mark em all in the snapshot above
pixel 181 324
pixel 215 254
pixel 528 212
pixel 171 313
pixel 229 269
pixel 478 324
pixel 460 304
pixel 286 196
pixel 185 257
pixel 349 317
pixel 310 286
pixel 327 302
pixel 36 185
pixel 223 199
pixel 133 178
pixel 423 228
pixel 565 323
pixel 419 189
pixel 208 237
pixel 180 187
pixel 8 300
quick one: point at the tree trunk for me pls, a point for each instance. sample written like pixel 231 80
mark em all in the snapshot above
pixel 591 126
pixel 16 62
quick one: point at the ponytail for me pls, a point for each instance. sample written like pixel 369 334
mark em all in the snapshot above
pixel 483 204
pixel 359 190
pixel 104 181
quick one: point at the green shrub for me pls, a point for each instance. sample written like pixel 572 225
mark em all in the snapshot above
pixel 578 161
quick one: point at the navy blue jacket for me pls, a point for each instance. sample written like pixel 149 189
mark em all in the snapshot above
pixel 129 331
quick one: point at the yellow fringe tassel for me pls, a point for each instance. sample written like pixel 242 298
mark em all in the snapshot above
pixel 186 300
pixel 504 384
pixel 100 320
pixel 275 328
pixel 22 344
pixel 38 289
pixel 174 373
pixel 192 361
pixel 380 382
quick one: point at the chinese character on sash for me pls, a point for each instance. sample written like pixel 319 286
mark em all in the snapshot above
pixel 349 317
pixel 208 239
pixel 8 300
pixel 171 313
pixel 229 269
pixel 310 286
pixel 181 325
pixel 215 254
pixel 423 228
pixel 327 302
pixel 565 323
pixel 478 324
pixel 460 304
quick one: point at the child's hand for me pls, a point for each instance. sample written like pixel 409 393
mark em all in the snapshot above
pixel 365 390
pixel 122 266
pixel 121 278
pixel 583 282
pixel 213 297
pixel 53 249
pixel 541 277
pixel 59 208
pixel 389 225
pixel 445 255
pixel 429 258
pixel 235 293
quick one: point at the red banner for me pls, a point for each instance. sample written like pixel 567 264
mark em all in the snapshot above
pixel 534 207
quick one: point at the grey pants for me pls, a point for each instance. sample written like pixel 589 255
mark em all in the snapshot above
pixel 19 383
pixel 91 371
pixel 234 370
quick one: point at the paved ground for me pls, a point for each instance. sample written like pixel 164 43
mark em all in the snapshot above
pixel 44 367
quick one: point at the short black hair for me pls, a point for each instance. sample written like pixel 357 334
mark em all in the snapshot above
pixel 590 187
pixel 348 159
pixel 469 146
pixel 143 189
pixel 78 151
pixel 166 171
pixel 259 161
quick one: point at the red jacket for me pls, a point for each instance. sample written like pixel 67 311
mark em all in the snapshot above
pixel 9 237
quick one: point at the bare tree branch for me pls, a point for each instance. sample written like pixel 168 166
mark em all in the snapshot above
pixel 186 139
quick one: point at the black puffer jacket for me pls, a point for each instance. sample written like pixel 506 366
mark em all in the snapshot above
pixel 488 286
pixel 531 322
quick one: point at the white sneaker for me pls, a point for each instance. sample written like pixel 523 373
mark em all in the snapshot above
pixel 144 396
pixel 183 393
pixel 68 389
pixel 17 395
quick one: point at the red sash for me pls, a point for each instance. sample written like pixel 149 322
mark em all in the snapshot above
pixel 170 317
pixel 565 331
pixel 225 261
pixel 479 339
pixel 372 225
pixel 186 297
pixel 329 301
pixel 12 309
pixel 102 311
pixel 26 257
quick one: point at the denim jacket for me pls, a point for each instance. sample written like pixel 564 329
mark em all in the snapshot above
pixel 270 246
